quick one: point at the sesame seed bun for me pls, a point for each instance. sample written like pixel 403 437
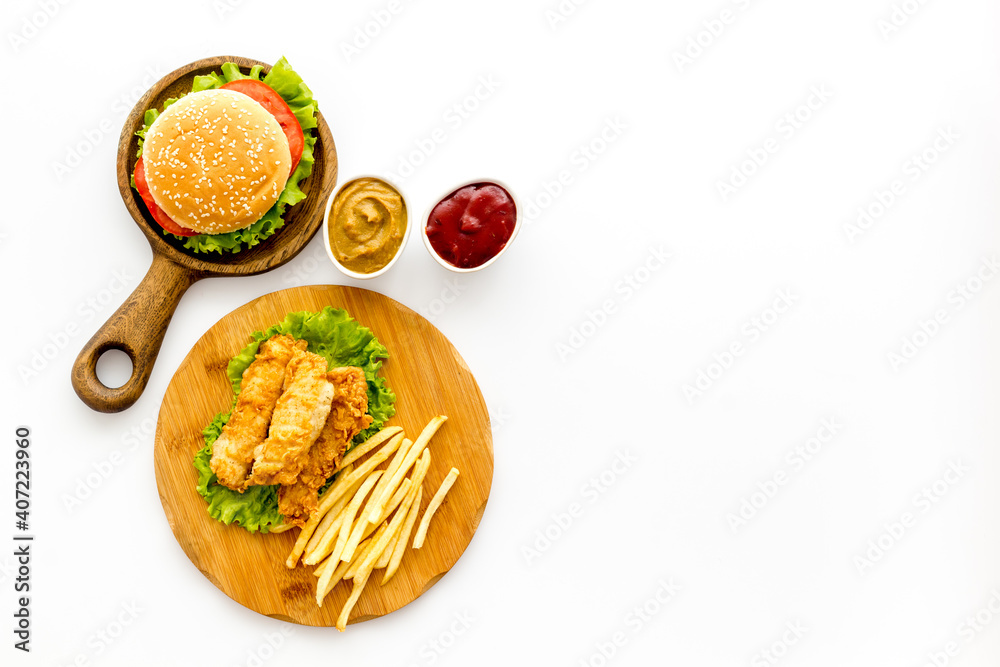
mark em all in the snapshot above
pixel 215 161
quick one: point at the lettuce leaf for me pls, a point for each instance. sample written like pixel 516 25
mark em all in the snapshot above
pixel 339 338
pixel 287 83
pixel 256 509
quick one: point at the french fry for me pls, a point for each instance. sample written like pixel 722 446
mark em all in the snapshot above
pixel 371 560
pixel 344 470
pixel 369 528
pixel 369 544
pixel 420 471
pixel 404 537
pixel 383 560
pixel 411 457
pixel 359 585
pixel 369 444
pixel 321 568
pixel 363 528
pixel 329 522
pixel 330 577
pixel 352 511
pixel 300 544
pixel 327 542
pixel 280 528
pixel 400 495
pixel 418 540
pixel 312 523
pixel 328 518
pixel 416 480
pixel 362 470
pixel 345 482
pixel 386 556
pixel 390 472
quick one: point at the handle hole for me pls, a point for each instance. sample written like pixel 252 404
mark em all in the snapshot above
pixel 114 368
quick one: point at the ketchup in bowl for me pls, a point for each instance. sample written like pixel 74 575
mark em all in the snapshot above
pixel 472 225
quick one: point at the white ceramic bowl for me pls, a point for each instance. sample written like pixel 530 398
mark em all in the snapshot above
pixel 427 214
pixel 410 221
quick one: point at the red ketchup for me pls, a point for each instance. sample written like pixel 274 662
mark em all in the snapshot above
pixel 472 225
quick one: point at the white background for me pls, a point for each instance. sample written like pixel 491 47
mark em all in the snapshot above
pixel 567 397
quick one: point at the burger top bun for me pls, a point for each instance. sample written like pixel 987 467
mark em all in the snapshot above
pixel 215 161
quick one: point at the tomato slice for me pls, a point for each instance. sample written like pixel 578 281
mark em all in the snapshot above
pixel 159 214
pixel 269 98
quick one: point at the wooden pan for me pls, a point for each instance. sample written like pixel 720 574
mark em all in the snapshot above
pixel 138 326
pixel 428 377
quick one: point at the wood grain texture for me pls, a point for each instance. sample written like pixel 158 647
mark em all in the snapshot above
pixel 174 269
pixel 428 377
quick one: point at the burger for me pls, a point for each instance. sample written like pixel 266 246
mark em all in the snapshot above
pixel 218 166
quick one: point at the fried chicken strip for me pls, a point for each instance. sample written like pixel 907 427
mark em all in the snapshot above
pixel 347 418
pixel 232 453
pixel 299 416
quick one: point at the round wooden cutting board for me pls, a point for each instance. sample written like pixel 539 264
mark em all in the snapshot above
pixel 428 377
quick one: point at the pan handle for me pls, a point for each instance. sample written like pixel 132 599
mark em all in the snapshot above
pixel 137 329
